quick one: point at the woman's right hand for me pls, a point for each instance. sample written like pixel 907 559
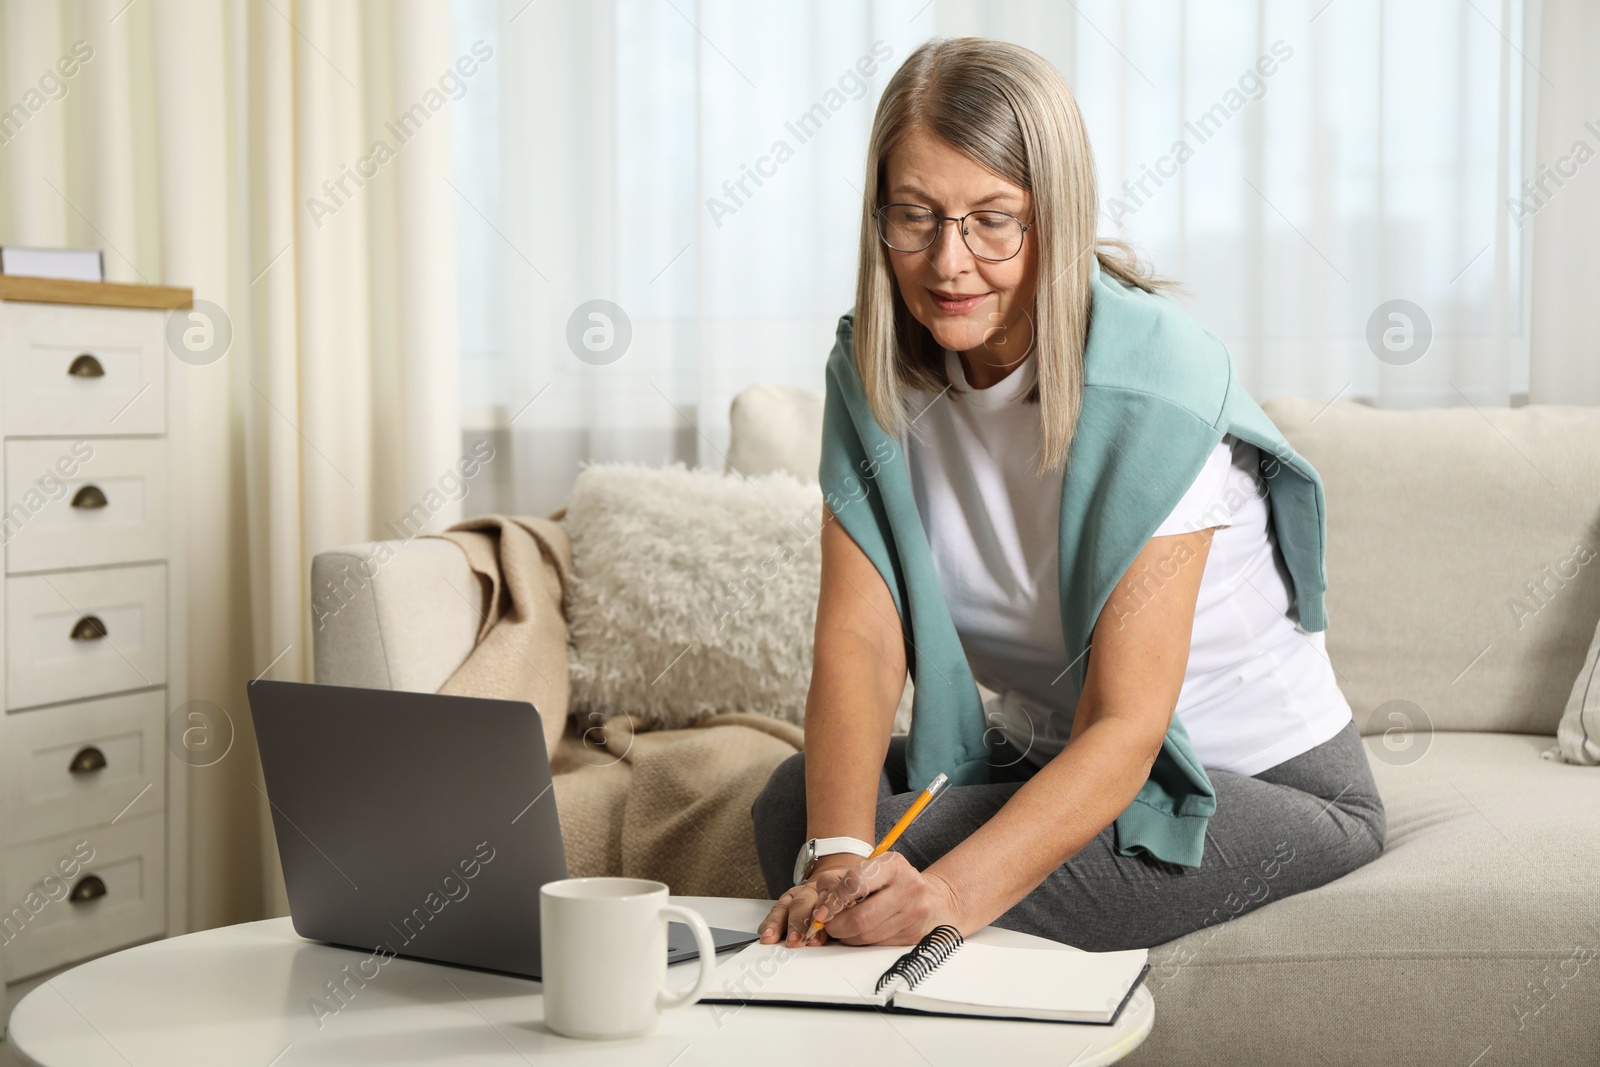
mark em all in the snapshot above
pixel 790 916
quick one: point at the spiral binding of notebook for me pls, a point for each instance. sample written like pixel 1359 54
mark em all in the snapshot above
pixel 937 946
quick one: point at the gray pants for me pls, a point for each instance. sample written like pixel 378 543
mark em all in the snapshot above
pixel 1293 827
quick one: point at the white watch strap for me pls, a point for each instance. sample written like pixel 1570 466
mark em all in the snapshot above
pixel 832 846
pixel 818 847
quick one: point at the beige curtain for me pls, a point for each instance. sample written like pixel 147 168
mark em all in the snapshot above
pixel 193 147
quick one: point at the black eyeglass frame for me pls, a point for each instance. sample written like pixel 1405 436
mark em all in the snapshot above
pixel 877 217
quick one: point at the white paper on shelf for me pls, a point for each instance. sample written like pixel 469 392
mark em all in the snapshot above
pixel 72 264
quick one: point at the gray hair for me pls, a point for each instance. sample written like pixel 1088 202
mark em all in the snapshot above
pixel 1012 112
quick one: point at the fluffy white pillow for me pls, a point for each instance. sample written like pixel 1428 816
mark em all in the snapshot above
pixel 694 592
pixel 1578 733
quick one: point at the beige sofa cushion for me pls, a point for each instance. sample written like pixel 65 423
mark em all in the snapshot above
pixel 1449 531
pixel 775 428
pixel 1476 927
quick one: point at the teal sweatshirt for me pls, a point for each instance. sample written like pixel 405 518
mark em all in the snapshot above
pixel 1159 394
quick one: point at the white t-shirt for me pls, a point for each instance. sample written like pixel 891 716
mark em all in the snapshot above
pixel 1257 690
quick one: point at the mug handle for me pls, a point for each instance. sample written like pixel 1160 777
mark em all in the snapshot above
pixel 708 958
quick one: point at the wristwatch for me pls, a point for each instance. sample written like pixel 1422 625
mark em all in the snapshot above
pixel 818 847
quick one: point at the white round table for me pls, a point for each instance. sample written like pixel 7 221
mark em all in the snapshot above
pixel 242 995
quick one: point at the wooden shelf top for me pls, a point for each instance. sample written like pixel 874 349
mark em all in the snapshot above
pixel 100 294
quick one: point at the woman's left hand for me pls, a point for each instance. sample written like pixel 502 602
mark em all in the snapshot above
pixel 884 901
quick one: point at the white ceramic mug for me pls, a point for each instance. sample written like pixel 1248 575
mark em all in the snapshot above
pixel 603 945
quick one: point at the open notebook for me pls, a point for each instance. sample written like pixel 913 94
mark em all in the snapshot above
pixel 942 974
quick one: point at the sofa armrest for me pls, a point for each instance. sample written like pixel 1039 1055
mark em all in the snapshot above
pixel 393 614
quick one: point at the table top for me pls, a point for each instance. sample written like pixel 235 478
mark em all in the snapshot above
pixel 242 995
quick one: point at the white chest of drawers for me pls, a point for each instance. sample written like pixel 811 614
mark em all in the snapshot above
pixel 93 795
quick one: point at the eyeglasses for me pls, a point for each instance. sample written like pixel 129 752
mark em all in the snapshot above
pixel 995 236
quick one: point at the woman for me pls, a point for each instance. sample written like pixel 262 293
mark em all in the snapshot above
pixel 1165 745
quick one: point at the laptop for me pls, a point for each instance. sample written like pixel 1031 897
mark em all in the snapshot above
pixel 417 824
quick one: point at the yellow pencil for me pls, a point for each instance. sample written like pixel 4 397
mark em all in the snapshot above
pixel 894 833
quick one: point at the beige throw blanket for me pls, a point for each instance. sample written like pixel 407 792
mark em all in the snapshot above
pixel 671 805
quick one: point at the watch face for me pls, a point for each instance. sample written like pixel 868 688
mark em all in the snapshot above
pixel 802 862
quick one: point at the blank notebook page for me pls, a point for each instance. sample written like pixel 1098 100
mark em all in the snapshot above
pixel 818 974
pixel 1028 983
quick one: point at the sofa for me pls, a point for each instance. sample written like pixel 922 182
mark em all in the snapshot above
pixel 1459 624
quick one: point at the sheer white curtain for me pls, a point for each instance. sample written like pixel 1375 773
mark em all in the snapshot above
pixel 1297 165
pixel 1301 165
pixel 639 162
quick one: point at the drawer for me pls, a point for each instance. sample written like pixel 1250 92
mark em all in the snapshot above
pixel 77 766
pixel 78 371
pixel 43 927
pixel 119 615
pixel 84 503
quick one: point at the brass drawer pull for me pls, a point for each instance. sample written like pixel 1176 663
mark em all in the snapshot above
pixel 87 888
pixel 90 496
pixel 89 628
pixel 88 760
pixel 86 366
